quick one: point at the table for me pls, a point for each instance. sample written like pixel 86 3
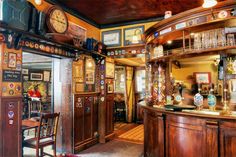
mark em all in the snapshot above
pixel 26 125
pixel 29 124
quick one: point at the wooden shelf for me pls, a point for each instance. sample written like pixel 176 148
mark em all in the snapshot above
pixel 88 93
pixel 195 20
pixel 178 34
pixel 4 28
pixel 193 53
pixel 128 46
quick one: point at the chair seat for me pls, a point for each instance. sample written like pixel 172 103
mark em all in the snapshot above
pixel 32 142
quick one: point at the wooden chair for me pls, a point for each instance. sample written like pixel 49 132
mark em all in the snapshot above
pixel 46 134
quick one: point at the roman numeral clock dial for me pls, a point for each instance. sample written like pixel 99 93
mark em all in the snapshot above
pixel 57 21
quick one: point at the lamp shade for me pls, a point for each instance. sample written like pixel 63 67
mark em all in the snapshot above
pixel 209 3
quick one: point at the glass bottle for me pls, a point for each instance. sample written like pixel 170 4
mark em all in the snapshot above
pixel 220 70
pixel 211 100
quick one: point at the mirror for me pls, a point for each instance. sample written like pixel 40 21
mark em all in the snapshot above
pixel 197 74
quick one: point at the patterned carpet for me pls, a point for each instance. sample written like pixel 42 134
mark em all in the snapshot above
pixel 134 135
pixel 114 148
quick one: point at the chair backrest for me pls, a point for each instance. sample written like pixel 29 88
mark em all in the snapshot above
pixel 48 126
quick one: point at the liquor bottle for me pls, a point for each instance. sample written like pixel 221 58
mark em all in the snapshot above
pixel 220 70
pixel 211 100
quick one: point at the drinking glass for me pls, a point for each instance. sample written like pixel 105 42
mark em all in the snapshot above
pixel 221 37
pixel 230 40
pixel 206 39
pixel 213 38
pixel 197 41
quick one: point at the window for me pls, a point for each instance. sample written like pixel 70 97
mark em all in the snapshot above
pixel 140 81
pixel 119 79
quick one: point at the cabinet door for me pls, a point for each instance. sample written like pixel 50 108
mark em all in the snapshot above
pixel 153 134
pixel 88 121
pixel 185 137
pixel 78 119
pixel 228 139
pixel 109 113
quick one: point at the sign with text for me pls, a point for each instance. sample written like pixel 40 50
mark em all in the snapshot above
pixel 11 76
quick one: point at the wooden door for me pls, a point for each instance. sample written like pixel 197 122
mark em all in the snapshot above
pixel 78 119
pixel 109 114
pixel 154 134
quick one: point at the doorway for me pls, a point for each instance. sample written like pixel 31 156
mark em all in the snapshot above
pixel 37 83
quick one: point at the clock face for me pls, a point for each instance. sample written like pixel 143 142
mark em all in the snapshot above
pixel 57 20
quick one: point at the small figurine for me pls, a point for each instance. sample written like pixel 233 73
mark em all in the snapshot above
pixel 168 14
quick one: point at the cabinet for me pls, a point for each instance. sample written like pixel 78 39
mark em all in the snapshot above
pixel 154 134
pixel 227 139
pixel 178 134
pixel 85 120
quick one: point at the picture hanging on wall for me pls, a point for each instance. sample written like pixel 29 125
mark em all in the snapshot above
pixel 202 77
pixel 133 35
pixel 112 38
pixel 36 76
pixel 11 60
pixel 110 70
pixel 46 76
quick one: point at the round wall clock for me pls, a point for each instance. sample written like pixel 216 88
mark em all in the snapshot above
pixel 57 21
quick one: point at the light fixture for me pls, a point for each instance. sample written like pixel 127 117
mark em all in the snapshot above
pixel 38 2
pixel 169 42
pixel 209 3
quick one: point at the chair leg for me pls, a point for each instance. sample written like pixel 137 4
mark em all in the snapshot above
pixel 37 152
pixel 54 150
pixel 41 151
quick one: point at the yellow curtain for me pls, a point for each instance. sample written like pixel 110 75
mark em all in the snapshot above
pixel 130 98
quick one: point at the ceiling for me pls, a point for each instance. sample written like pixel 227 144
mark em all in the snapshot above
pixel 107 13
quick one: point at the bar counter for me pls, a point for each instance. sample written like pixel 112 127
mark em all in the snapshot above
pixel 188 134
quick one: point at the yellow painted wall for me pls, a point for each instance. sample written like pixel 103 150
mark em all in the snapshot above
pixel 182 73
pixel 92 32
pixel 146 26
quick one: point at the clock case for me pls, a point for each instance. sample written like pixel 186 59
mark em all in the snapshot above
pixel 48 16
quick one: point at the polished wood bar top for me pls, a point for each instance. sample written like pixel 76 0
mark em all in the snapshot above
pixel 205 113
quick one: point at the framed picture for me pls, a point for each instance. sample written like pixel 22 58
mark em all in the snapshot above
pixel 79 87
pixel 78 71
pixel 36 77
pixel 11 60
pixel 46 76
pixel 110 88
pixel 202 77
pixel 133 35
pixel 26 78
pixel 110 70
pixel 25 71
pixel 112 38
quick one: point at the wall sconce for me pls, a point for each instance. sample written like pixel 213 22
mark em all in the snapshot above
pixel 209 3
pixel 38 2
